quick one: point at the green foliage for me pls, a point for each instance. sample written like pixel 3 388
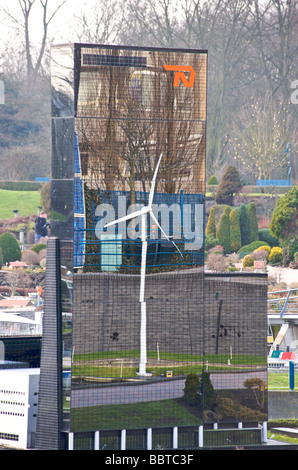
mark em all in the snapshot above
pixel 248 261
pixel 284 223
pixel 228 187
pixel 235 233
pixel 192 387
pixel 212 180
pixel 223 232
pixel 264 235
pixel 246 249
pixel 11 250
pixel 276 255
pixel 207 389
pixel 210 242
pixel 20 185
pixel 199 390
pixel 244 224
pixel 1 258
pixel 211 225
pixel 264 248
pixel 253 222
pixel 38 247
pixel 227 210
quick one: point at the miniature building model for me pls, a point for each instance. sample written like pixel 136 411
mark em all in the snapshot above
pixel 117 111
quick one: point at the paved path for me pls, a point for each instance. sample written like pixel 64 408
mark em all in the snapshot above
pixel 287 275
pixel 153 391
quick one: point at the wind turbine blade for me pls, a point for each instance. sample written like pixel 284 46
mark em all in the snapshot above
pixel 122 219
pixel 157 223
pixel 151 194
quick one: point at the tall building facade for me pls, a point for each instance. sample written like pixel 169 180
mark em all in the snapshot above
pixel 149 351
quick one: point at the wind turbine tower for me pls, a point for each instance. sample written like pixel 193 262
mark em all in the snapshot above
pixel 143 214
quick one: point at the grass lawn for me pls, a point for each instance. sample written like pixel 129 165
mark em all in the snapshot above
pixel 26 202
pixel 279 381
pixel 104 365
pixel 137 415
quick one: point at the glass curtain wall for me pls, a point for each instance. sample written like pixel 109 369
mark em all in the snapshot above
pixel 133 332
pixel 149 342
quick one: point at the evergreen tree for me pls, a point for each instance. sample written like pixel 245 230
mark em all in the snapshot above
pixel 192 387
pixel 228 187
pixel 206 391
pixel 244 224
pixel 253 223
pixel 284 223
pixel 235 233
pixel 223 232
pixel 10 248
pixel 211 225
pixel 227 210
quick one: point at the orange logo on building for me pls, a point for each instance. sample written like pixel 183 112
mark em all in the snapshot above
pixel 180 75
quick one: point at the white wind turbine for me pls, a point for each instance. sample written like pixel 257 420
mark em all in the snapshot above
pixel 143 213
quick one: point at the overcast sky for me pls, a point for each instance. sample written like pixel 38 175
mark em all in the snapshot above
pixel 62 27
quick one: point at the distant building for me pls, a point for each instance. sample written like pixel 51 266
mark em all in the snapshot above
pixel 15 302
pixel 18 407
pixel 17 265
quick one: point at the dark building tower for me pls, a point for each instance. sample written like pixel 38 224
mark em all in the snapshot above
pixel 135 358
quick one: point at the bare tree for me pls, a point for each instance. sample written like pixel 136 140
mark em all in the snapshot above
pixel 262 130
pixel 34 57
pixel 276 42
pixel 102 27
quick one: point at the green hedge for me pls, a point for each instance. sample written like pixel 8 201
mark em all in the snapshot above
pixel 247 249
pixel 20 185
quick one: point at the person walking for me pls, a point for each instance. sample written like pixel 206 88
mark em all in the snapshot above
pixel 41 229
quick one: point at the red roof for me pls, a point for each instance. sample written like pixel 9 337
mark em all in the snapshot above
pixel 18 264
pixel 6 303
pixel 287 355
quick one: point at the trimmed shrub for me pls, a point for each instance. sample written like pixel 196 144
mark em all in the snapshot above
pixel 192 387
pixel 253 222
pixel 284 222
pixel 210 242
pixel 42 255
pixel 260 254
pixel 281 286
pixel 206 391
pixel 248 261
pixel 223 232
pixel 38 247
pixel 217 249
pixel 11 250
pixel 245 250
pixel 217 262
pixel 275 256
pixel 30 257
pixel 228 187
pixel 264 234
pixel 235 233
pixel 264 247
pixel 211 225
pixel 212 180
pixel 244 224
